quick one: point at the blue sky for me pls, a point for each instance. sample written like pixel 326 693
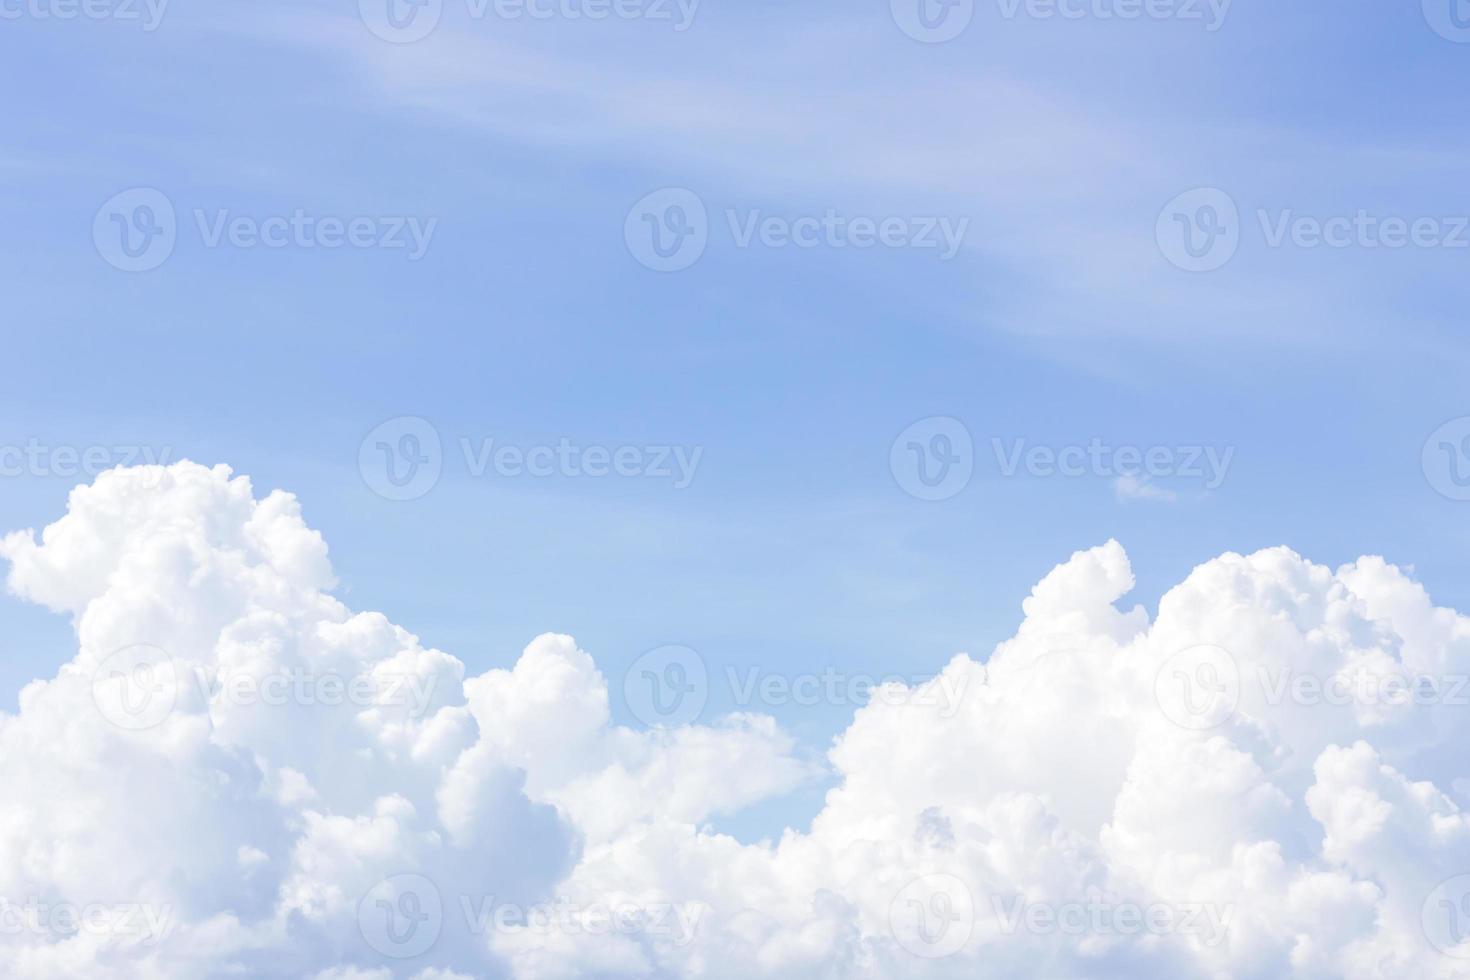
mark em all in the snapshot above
pixel 528 320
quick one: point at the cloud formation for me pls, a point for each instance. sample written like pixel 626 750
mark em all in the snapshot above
pixel 237 775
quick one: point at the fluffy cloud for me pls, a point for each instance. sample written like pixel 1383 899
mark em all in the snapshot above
pixel 236 775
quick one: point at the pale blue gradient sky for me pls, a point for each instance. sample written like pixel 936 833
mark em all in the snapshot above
pixel 528 321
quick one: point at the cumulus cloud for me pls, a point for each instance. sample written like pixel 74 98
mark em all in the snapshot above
pixel 237 775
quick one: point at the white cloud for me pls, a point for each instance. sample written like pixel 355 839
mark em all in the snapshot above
pixel 1129 487
pixel 1111 797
